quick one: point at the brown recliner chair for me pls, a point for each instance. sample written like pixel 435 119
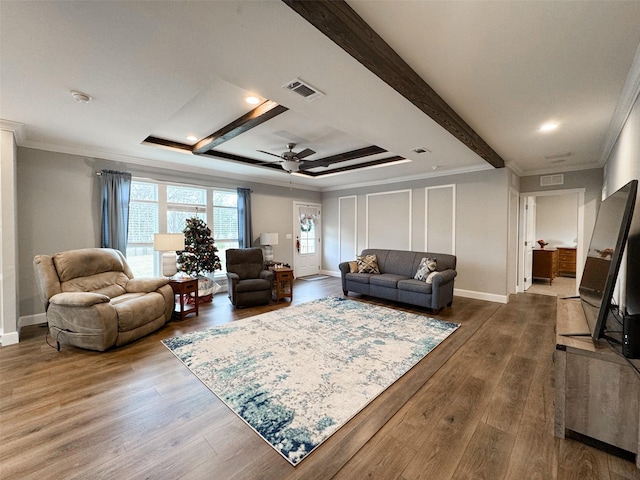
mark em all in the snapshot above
pixel 248 282
pixel 92 300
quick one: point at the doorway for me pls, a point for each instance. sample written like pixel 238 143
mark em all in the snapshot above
pixel 533 205
pixel 307 228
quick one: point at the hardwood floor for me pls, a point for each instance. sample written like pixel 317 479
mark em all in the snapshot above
pixel 479 406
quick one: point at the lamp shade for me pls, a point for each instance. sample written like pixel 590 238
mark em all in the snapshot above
pixel 168 242
pixel 269 238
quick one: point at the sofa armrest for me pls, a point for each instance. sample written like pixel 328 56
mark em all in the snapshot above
pixel 444 277
pixel 145 285
pixel 78 299
pixel 344 267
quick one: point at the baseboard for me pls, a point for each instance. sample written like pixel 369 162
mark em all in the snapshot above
pixel 489 297
pixel 331 273
pixel 9 338
pixel 28 320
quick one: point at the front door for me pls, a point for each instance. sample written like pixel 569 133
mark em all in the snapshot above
pixel 307 229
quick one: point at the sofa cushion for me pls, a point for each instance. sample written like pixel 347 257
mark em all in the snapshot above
pixel 388 280
pixel 359 277
pixel 427 265
pixel 137 309
pixel 367 264
pixel 253 284
pixel 111 284
pixel 414 285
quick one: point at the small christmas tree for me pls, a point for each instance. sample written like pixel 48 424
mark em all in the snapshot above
pixel 199 255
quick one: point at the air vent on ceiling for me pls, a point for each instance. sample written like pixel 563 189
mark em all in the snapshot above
pixel 303 89
pixel 549 180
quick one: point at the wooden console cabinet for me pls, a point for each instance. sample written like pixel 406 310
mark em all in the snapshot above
pixel 597 390
pixel 545 263
pixel 567 261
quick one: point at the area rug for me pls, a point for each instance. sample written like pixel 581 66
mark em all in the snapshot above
pixel 297 374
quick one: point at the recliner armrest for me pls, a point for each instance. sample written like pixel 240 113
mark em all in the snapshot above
pixel 145 285
pixel 78 299
pixel 267 275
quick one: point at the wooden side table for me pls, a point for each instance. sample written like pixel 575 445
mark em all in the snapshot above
pixel 183 288
pixel 282 282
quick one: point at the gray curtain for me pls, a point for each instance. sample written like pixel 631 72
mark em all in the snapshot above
pixel 245 232
pixel 116 192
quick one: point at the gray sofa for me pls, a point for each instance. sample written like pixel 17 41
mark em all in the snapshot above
pixel 395 280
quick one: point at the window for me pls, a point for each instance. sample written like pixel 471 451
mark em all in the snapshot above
pixel 143 223
pixel 158 208
pixel 225 221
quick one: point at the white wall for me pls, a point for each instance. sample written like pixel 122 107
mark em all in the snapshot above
pixel 481 227
pixel 59 209
pixel 8 237
pixel 623 166
pixel 557 219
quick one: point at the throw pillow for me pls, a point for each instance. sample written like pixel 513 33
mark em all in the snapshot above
pixel 353 267
pixel 427 265
pixel 367 264
pixel 430 277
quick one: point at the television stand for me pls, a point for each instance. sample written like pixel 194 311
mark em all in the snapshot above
pixel 597 390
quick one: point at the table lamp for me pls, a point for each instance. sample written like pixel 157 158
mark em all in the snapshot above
pixel 267 240
pixel 168 243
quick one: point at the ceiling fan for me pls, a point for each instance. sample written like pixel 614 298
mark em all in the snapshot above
pixel 291 161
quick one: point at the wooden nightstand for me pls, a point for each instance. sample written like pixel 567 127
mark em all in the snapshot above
pixel 282 282
pixel 183 288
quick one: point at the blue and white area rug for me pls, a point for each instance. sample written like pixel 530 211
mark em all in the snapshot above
pixel 296 375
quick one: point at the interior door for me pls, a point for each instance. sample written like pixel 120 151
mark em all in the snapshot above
pixel 307 227
pixel 529 223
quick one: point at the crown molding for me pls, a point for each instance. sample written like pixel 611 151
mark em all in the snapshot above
pixel 411 178
pixel 154 163
pixel 18 129
pixel 627 99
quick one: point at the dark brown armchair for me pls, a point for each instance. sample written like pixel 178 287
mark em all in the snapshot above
pixel 248 282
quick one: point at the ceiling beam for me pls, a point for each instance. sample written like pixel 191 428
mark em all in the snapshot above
pixel 263 112
pixel 338 21
pixel 343 157
pixel 370 163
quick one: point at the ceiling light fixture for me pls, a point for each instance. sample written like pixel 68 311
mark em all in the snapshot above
pixel 252 100
pixel 547 127
pixel 192 138
pixel 81 97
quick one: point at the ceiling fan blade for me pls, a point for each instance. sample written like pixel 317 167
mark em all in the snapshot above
pixel 305 153
pixel 269 153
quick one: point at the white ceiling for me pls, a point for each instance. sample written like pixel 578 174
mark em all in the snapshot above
pixel 171 69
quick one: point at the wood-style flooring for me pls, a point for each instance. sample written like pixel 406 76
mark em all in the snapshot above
pixel 479 406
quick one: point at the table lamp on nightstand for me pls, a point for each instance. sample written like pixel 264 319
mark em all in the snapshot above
pixel 168 243
pixel 267 240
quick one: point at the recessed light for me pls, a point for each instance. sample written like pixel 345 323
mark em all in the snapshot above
pixel 80 97
pixel 547 127
pixel 192 138
pixel 252 100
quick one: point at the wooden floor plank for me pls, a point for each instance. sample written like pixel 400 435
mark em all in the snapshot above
pixel 480 404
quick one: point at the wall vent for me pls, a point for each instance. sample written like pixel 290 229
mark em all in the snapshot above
pixel 549 180
pixel 303 89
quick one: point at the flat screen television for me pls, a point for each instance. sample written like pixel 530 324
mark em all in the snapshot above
pixel 604 257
